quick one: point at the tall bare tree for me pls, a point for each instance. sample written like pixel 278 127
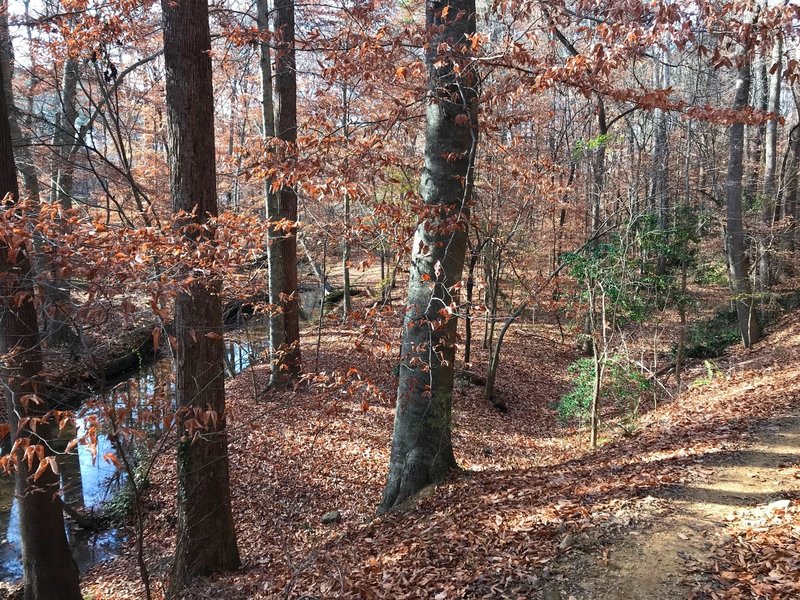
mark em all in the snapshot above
pixel 282 208
pixel 206 539
pixel 769 199
pixel 422 449
pixel 47 562
pixel 735 239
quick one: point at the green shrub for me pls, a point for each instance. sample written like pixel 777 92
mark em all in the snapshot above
pixel 577 402
pixel 711 272
pixel 711 371
pixel 710 339
pixel 623 384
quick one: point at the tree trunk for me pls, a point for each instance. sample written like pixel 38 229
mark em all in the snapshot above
pixel 57 294
pixel 473 262
pixel 595 200
pixel 282 252
pixel 64 137
pixel 770 168
pixel 265 64
pixel 659 189
pixel 790 199
pixel 206 540
pixel 346 301
pixel 494 359
pixel 47 563
pixel 422 450
pixel 594 406
pixel 21 143
pixel 735 239
pixel 758 132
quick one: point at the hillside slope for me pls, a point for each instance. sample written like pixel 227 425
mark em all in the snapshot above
pixel 533 514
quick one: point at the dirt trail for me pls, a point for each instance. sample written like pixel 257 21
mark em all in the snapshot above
pixel 659 557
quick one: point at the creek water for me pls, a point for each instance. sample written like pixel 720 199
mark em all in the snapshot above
pixel 88 482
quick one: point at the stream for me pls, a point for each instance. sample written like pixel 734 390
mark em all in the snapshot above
pixel 88 483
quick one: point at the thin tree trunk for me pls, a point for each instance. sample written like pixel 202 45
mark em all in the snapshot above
pixel 735 239
pixel 282 252
pixel 791 198
pixel 594 409
pixel 346 303
pixel 475 254
pixel 683 330
pixel 422 449
pixel 22 144
pixel 206 541
pixel 659 190
pixel 770 168
pixel 64 137
pixel 47 563
pixel 494 358
pixel 57 294
pixel 268 133
pixel 759 131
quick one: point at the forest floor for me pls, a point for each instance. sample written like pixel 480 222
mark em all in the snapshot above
pixel 684 534
pixel 700 499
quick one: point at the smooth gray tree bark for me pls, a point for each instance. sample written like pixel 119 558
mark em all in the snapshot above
pixel 770 194
pixel 760 91
pixel 749 326
pixel 422 450
pixel 60 331
pixel 790 198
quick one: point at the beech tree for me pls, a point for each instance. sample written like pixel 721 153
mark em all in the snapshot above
pixel 422 449
pixel 749 326
pixel 47 562
pixel 206 541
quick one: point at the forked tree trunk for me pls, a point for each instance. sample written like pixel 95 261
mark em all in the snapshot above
pixel 422 450
pixel 282 206
pixel 475 254
pixel 206 541
pixel 47 563
pixel 735 241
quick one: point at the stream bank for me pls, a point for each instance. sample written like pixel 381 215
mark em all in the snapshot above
pixel 88 481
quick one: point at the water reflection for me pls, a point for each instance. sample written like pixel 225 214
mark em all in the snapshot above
pixel 84 483
pixel 87 479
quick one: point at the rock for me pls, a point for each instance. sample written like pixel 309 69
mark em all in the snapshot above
pixel 779 505
pixel 566 542
pixel 333 516
pixel 551 592
pixel 574 541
